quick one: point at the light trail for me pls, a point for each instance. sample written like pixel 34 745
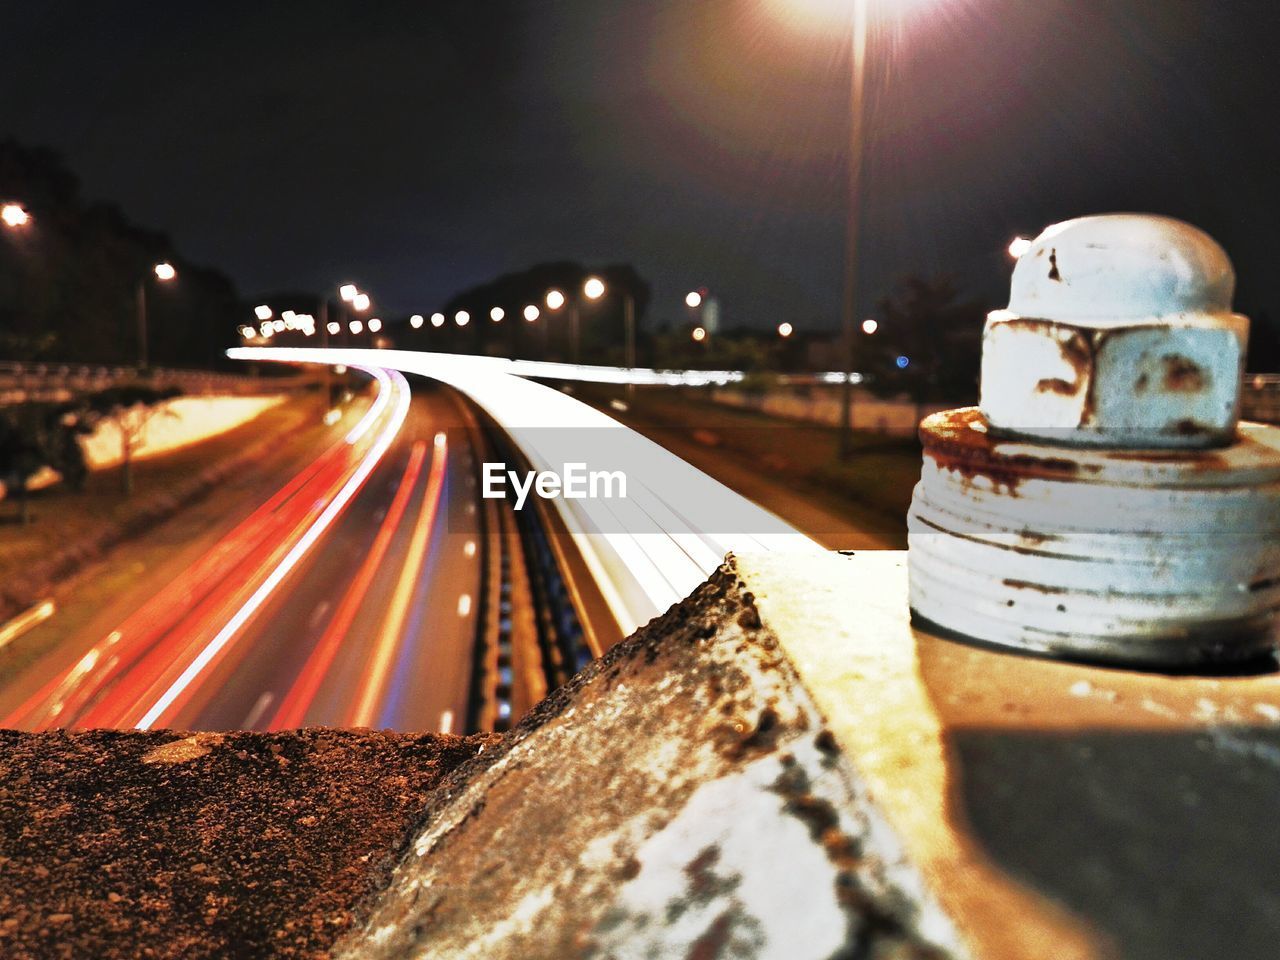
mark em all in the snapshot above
pixel 294 706
pixel 399 413
pixel 149 623
pixel 677 524
pixel 392 632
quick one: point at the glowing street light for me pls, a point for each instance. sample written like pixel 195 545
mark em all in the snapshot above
pixel 870 326
pixel 375 325
pixel 165 272
pixel 416 321
pixel 355 326
pixel 266 330
pixel 699 334
pixel 348 292
pixel 1019 246
pixel 693 299
pixel 531 313
pixel 333 327
pixel 360 302
pixel 437 320
pixel 555 299
pixel 593 289
pixel 785 330
pixel 14 216
pixel 496 314
pixel 262 312
pixel 462 318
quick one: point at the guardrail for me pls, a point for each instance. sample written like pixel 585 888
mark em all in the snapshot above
pixel 57 383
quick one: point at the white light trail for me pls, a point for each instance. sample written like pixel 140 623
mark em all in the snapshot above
pixel 277 576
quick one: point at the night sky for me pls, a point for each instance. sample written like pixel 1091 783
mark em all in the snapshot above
pixel 418 148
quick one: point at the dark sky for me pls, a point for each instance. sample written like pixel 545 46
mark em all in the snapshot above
pixel 418 148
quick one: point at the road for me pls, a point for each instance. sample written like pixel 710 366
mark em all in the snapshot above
pixel 352 597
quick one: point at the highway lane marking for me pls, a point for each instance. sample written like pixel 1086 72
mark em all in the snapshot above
pixel 446 722
pixel 259 708
pixel 464 604
pixel 353 485
pixel 318 614
pixel 300 696
pixel 390 634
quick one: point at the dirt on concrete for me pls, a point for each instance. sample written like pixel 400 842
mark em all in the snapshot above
pixel 166 844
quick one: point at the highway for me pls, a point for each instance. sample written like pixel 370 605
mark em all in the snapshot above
pixel 350 598
pixel 376 587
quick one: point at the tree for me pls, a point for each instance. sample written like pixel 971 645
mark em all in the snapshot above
pixel 928 344
pixel 128 408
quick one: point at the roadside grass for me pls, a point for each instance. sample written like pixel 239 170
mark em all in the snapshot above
pixel 62 517
pixel 879 476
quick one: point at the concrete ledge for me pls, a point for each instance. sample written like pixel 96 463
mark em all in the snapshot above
pixel 681 797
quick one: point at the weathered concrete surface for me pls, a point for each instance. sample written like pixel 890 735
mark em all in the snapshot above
pixel 682 797
pixel 1055 809
pixel 125 844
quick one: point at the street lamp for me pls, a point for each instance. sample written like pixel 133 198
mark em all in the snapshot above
pixel 437 320
pixel 262 312
pixel 785 330
pixel 14 216
pixel 375 325
pixel 462 318
pixel 496 314
pixel 356 327
pixel 555 299
pixel 164 272
pixel 699 334
pixel 416 321
pixel 348 292
pixel 693 300
pixel 333 328
pixel 531 313
pixel 870 326
pixel 1019 246
pixel 593 289
pixel 360 302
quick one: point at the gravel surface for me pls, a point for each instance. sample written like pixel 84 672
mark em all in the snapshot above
pixel 165 844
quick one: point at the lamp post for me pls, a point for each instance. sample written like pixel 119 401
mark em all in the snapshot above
pixel 164 272
pixel 857 112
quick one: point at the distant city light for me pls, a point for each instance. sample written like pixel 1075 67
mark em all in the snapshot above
pixel 903 362
pixel 555 299
pixel 375 325
pixel 462 318
pixel 699 334
pixel 290 319
pixel 694 299
pixel 348 292
pixel 334 328
pixel 437 319
pixel 266 330
pixel 496 314
pixel 870 326
pixel 356 326
pixel 360 302
pixel 785 330
pixel 262 312
pixel 165 271
pixel 1019 246
pixel 278 326
pixel 14 215
pixel 416 321
pixel 531 313
pixel 593 288
pixel 247 332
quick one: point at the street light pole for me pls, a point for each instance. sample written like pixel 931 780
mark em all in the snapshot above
pixel 141 301
pixel 857 90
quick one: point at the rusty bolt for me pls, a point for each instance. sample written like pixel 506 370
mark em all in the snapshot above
pixel 1119 333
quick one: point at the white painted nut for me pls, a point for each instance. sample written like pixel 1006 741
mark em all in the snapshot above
pixel 1119 333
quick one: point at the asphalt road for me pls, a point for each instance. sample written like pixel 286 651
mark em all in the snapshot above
pixel 307 611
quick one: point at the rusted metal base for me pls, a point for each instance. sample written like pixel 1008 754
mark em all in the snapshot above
pixel 1157 558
